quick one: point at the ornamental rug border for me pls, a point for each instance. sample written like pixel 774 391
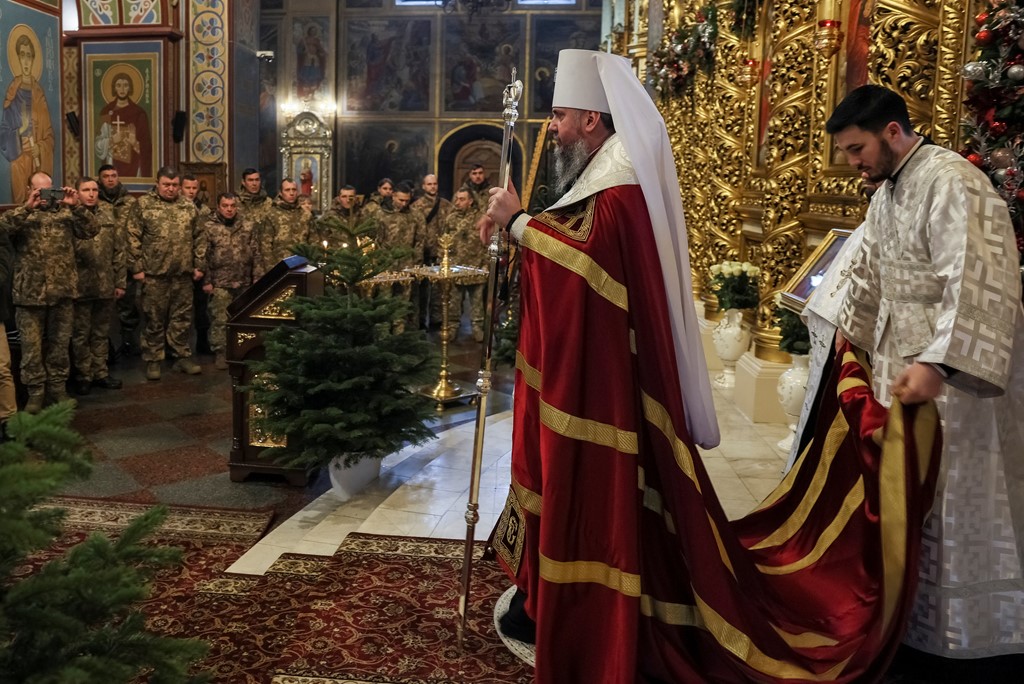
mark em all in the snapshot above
pixel 193 523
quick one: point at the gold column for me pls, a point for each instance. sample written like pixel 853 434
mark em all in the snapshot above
pixel 727 113
pixel 787 170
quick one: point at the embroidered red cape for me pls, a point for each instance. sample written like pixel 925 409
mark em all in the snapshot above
pixel 613 529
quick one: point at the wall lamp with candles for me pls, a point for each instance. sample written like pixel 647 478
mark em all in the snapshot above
pixel 828 36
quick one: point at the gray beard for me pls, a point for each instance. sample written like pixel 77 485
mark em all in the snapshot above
pixel 569 164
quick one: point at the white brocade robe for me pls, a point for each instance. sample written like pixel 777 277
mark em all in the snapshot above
pixel 936 280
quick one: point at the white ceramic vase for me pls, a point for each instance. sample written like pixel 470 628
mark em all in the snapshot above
pixel 346 482
pixel 791 389
pixel 732 340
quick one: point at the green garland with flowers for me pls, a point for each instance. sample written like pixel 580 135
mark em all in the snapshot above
pixel 688 49
pixel 994 83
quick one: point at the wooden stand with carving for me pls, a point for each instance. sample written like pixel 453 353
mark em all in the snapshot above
pixel 257 311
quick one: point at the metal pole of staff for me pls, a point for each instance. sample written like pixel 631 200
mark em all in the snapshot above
pixel 513 91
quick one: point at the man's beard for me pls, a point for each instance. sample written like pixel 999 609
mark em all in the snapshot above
pixel 569 164
pixel 886 163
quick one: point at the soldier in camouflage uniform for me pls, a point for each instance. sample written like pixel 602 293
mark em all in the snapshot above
pixel 166 252
pixel 116 195
pixel 284 226
pixel 433 209
pixel 466 250
pixel 254 204
pixel 102 277
pixel 232 252
pixel 343 213
pixel 200 300
pixel 379 200
pixel 44 286
pixel 479 187
pixel 402 227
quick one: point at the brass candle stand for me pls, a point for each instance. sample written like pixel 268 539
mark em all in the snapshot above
pixel 446 391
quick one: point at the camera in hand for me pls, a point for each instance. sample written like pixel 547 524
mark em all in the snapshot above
pixel 51 198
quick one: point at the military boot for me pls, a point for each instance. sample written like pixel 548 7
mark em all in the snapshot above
pixel 152 370
pixel 57 395
pixel 186 365
pixel 221 362
pixel 34 403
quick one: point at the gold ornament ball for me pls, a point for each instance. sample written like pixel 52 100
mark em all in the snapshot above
pixel 1001 158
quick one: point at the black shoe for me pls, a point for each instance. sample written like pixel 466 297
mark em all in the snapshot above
pixel 107 382
pixel 516 623
pixel 82 387
pixel 127 349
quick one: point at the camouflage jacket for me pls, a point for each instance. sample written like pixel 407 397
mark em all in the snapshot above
pixel 232 252
pixel 432 228
pixel 481 194
pixel 284 226
pixel 374 206
pixel 101 260
pixel 44 263
pixel 254 207
pixel 119 199
pixel 467 250
pixel 402 229
pixel 165 238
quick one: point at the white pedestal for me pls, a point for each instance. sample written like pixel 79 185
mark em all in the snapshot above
pixel 710 356
pixel 756 394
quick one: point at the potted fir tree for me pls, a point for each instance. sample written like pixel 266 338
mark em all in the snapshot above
pixel 792 387
pixel 735 285
pixel 337 385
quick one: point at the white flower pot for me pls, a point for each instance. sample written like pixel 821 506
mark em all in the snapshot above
pixel 732 340
pixel 346 482
pixel 791 390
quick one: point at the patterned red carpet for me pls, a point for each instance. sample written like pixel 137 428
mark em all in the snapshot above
pixel 382 610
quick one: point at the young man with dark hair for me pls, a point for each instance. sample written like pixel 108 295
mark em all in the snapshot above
pixel 934 298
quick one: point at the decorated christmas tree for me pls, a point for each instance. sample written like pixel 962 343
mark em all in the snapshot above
pixel 994 125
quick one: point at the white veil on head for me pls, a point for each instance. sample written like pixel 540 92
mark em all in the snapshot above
pixel 598 81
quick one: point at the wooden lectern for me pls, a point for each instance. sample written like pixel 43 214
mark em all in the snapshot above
pixel 254 313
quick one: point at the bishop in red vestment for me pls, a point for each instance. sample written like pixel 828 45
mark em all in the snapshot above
pixel 612 531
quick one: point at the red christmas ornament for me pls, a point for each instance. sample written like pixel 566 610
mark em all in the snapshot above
pixel 983 37
pixel 997 128
pixel 976 159
pixel 981 19
pixel 1020 195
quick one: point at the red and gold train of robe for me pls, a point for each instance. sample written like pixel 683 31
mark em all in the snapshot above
pixel 613 528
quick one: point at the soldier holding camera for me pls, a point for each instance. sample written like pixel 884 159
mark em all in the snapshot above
pixel 45 283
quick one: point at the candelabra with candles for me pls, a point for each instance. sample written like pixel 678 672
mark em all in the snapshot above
pixel 447 391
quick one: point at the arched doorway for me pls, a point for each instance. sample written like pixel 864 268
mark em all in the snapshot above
pixel 473 144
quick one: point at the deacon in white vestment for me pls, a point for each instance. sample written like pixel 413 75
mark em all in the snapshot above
pixel 935 297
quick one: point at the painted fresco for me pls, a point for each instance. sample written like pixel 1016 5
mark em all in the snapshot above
pixel 385 150
pixel 310 49
pixel 30 126
pixel 551 34
pixel 388 65
pixel 141 11
pixel 478 61
pixel 98 13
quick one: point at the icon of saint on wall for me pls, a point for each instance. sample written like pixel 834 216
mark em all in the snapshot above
pixel 26 135
pixel 123 137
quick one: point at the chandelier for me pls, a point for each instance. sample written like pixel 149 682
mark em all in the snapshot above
pixel 474 7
